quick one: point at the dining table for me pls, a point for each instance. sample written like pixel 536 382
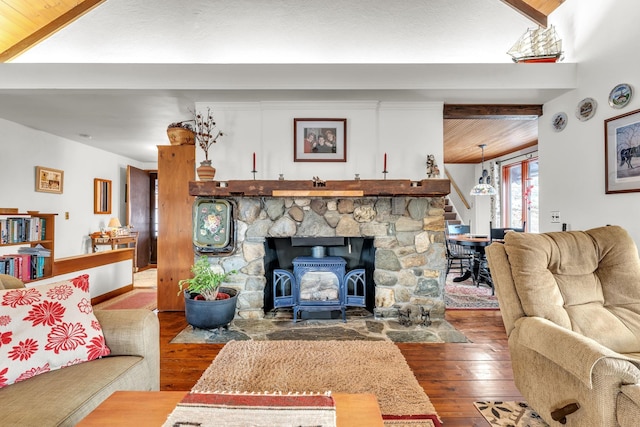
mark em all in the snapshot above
pixel 477 243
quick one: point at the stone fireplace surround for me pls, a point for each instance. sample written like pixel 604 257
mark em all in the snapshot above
pixel 410 261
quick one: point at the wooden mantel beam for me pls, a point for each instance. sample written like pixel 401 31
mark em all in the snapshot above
pixel 492 111
pixel 347 188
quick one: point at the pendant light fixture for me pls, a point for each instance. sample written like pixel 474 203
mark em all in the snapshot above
pixel 483 187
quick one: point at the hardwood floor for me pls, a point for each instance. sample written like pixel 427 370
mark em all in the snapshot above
pixel 452 375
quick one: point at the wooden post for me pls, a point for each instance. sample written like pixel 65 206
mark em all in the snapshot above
pixel 176 168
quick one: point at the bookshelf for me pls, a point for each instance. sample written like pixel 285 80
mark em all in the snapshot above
pixel 21 233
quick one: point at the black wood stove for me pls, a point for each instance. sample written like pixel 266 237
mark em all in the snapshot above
pixel 319 283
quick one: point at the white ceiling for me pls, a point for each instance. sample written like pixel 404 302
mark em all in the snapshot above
pixel 132 81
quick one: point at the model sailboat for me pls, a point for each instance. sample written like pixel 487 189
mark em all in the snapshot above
pixel 537 45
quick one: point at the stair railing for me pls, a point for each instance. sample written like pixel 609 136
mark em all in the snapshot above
pixel 455 187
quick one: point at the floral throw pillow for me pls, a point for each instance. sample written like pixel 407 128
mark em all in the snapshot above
pixel 47 327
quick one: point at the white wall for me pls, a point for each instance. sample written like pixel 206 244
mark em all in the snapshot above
pixel 603 38
pixel 22 149
pixel 102 279
pixel 406 131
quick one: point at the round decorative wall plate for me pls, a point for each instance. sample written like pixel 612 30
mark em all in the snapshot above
pixel 620 95
pixel 559 121
pixel 586 109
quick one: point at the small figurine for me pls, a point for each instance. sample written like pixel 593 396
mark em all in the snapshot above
pixel 433 171
pixel 317 182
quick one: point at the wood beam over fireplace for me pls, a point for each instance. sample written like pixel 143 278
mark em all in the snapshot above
pixel 347 188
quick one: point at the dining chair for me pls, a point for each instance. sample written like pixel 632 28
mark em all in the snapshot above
pixel 458 255
pixel 458 229
pixel 497 234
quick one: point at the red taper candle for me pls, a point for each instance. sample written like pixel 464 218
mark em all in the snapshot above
pixel 254 161
pixel 385 161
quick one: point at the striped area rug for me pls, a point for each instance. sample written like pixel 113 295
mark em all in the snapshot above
pixel 255 410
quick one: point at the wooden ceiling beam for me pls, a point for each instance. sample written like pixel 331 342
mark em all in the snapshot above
pixel 529 11
pixel 492 111
pixel 42 33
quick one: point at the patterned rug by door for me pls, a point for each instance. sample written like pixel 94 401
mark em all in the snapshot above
pixel 509 414
pixel 467 296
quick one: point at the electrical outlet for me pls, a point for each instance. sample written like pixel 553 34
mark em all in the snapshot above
pixel 555 216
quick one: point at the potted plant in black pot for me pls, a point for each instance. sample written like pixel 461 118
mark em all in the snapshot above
pixel 207 304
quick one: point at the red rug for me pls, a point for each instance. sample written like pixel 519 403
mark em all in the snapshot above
pixel 467 296
pixel 137 298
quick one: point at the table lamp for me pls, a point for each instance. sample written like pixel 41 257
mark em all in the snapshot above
pixel 114 224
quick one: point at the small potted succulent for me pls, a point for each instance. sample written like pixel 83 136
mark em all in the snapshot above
pixel 181 133
pixel 208 305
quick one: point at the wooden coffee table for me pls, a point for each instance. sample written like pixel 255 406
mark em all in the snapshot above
pixel 151 409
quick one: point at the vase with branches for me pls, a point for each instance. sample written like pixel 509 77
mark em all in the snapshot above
pixel 206 134
pixel 206 131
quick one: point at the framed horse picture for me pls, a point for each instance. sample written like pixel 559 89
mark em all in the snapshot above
pixel 622 153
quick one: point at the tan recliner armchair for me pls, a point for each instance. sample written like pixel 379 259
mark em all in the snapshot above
pixel 570 302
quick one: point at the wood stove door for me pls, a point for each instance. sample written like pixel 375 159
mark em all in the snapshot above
pixel 283 288
pixel 355 288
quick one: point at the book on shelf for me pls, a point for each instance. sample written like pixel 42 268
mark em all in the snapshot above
pixel 23 266
pixel 22 229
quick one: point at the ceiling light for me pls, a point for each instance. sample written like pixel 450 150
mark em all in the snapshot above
pixel 483 188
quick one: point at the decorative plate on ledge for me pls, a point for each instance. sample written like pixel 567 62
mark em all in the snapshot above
pixel 559 122
pixel 586 109
pixel 620 95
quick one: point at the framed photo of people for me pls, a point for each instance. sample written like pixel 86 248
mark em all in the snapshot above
pixel 319 140
pixel 622 153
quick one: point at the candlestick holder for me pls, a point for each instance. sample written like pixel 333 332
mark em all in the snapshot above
pixel 385 172
pixel 281 177
pixel 357 177
pixel 254 173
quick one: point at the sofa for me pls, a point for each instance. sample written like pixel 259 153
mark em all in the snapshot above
pixel 570 302
pixel 64 396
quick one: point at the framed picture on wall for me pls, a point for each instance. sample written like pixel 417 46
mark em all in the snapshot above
pixel 319 140
pixel 101 196
pixel 49 180
pixel 622 153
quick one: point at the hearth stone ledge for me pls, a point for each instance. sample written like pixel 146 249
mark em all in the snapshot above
pixel 408 232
